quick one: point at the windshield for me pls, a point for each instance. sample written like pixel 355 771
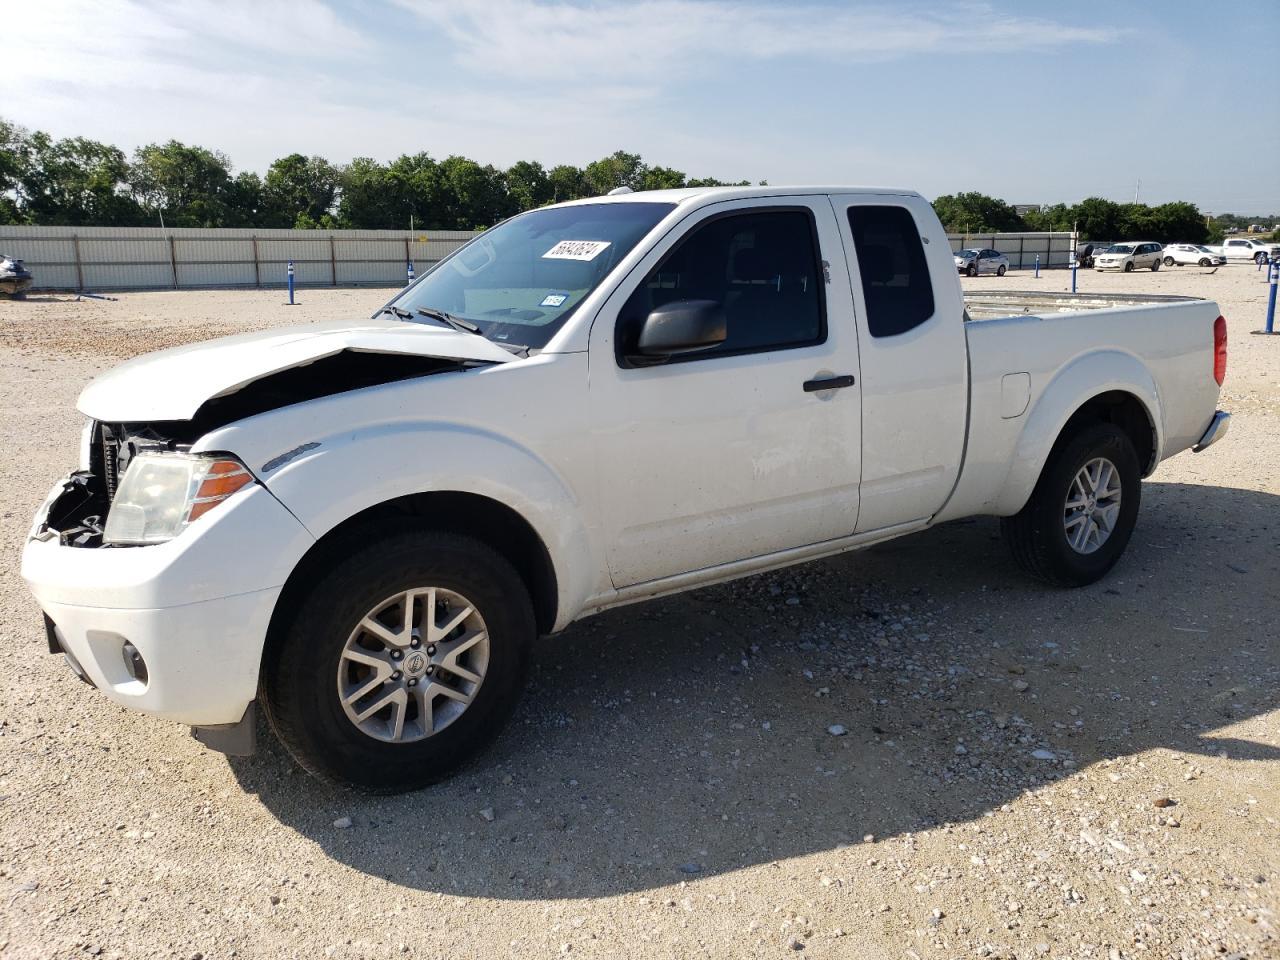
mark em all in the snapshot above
pixel 1204 249
pixel 967 253
pixel 520 281
pixel 1120 248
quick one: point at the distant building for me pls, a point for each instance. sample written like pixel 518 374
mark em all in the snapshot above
pixel 1022 208
pixel 1257 228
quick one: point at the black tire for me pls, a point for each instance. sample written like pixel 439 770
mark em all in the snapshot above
pixel 300 672
pixel 1204 262
pixel 1001 270
pixel 1156 265
pixel 1036 534
pixel 1259 257
pixel 1168 261
pixel 1128 267
pixel 972 270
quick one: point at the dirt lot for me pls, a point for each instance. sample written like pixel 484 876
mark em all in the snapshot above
pixel 669 787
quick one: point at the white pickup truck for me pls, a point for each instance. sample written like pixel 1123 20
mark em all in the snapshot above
pixel 363 526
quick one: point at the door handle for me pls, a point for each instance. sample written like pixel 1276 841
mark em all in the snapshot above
pixel 828 383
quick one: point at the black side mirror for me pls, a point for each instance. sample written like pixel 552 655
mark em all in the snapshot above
pixel 682 326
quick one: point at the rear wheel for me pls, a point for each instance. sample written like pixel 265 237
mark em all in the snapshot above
pixel 1168 261
pixel 401 663
pixel 1082 512
pixel 1155 265
pixel 1259 258
pixel 1001 270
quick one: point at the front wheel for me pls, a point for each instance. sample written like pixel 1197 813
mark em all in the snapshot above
pixel 1001 270
pixel 1204 262
pixel 1168 261
pixel 972 270
pixel 1128 267
pixel 401 662
pixel 1083 509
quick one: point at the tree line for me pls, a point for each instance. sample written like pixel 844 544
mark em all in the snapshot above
pixel 76 181
pixel 83 182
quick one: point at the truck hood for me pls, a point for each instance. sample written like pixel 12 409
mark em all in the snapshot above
pixel 173 384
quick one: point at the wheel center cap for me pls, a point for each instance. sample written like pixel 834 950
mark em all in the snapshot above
pixel 415 664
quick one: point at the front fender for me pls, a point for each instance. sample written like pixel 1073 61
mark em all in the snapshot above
pixel 1074 385
pixel 340 475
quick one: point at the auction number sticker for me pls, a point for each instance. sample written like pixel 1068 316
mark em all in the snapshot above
pixel 576 250
pixel 554 300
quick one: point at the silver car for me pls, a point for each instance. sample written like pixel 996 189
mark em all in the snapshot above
pixel 974 262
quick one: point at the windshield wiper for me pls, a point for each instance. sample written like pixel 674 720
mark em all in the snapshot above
pixel 457 323
pixel 398 312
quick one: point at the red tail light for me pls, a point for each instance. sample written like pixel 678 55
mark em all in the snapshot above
pixel 1220 350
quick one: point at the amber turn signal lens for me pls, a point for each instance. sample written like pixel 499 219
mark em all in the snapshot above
pixel 222 479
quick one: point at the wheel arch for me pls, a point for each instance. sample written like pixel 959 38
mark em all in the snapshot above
pixel 474 515
pixel 1102 387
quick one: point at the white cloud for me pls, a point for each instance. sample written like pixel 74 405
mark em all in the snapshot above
pixel 654 41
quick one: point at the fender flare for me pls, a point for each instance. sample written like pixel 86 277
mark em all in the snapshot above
pixel 345 474
pixel 1073 385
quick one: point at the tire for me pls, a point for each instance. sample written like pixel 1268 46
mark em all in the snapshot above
pixel 1128 267
pixel 1168 261
pixel 316 653
pixel 1001 270
pixel 1038 534
pixel 1204 262
pixel 971 270
pixel 1259 258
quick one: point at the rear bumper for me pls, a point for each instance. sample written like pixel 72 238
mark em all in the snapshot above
pixel 1218 427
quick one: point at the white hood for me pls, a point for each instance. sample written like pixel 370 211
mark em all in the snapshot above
pixel 173 384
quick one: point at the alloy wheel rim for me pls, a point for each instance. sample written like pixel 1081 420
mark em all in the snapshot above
pixel 413 664
pixel 1092 507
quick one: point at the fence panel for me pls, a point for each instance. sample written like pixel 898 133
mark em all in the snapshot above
pixel 140 258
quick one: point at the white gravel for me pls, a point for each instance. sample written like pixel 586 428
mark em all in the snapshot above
pixel 670 786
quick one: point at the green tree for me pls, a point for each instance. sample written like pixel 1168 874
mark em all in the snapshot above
pixel 370 198
pixel 663 178
pixel 527 186
pixel 1179 222
pixel 245 206
pixel 470 196
pixel 619 169
pixel 1099 219
pixel 567 183
pixel 75 181
pixel 296 187
pixel 416 191
pixel 976 213
pixel 187 184
pixel 13 163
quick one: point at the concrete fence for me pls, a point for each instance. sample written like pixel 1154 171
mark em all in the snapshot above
pixel 1021 248
pixel 150 258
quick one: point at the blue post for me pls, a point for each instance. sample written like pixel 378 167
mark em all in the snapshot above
pixel 1260 263
pixel 291 283
pixel 1037 266
pixel 1271 297
pixel 1074 264
pixel 409 272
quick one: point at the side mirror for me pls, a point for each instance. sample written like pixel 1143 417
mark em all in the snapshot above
pixel 682 326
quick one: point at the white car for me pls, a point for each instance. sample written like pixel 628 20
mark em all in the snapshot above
pixel 1244 248
pixel 361 527
pixel 1197 253
pixel 1130 256
pixel 972 262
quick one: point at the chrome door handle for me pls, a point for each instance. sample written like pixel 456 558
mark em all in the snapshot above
pixel 828 383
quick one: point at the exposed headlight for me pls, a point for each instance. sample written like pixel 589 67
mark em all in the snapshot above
pixel 161 493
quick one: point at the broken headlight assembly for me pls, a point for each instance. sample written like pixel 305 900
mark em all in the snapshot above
pixel 161 493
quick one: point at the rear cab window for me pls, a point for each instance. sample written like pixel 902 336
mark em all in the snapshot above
pixel 897 287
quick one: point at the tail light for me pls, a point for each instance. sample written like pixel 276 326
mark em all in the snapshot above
pixel 1220 350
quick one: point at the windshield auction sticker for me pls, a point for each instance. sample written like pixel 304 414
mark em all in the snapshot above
pixel 576 250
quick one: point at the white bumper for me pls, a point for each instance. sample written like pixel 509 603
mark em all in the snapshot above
pixel 196 608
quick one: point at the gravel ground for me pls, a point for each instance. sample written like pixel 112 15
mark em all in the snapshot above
pixel 911 751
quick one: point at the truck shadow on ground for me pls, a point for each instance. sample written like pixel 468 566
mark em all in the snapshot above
pixel 689 736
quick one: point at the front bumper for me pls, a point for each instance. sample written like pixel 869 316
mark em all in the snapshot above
pixel 196 609
pixel 1218 428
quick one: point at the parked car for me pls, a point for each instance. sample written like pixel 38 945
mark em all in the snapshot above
pixel 1130 256
pixel 361 527
pixel 1197 253
pixel 1244 248
pixel 974 262
pixel 15 278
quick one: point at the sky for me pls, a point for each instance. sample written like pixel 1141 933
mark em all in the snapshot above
pixel 1030 102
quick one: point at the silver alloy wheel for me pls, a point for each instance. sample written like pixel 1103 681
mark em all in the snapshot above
pixel 413 664
pixel 1092 507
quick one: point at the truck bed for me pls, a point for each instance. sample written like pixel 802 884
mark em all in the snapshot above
pixel 997 304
